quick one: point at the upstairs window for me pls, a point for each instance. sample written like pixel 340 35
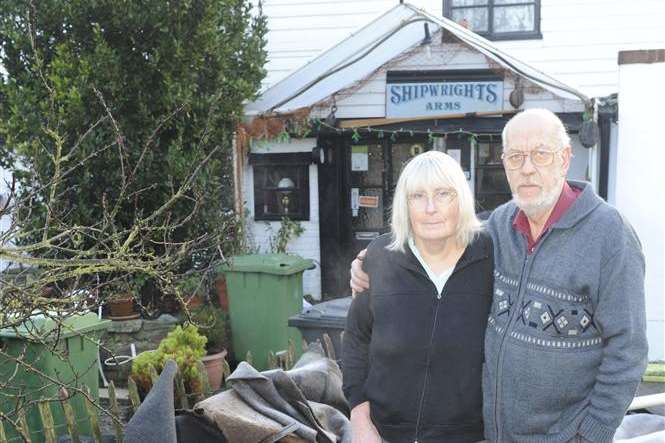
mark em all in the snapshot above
pixel 497 19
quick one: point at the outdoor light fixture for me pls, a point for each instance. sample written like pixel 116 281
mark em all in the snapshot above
pixel 284 191
pixel 516 97
pixel 331 119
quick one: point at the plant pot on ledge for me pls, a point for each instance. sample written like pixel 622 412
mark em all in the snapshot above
pixel 222 292
pixel 122 308
pixel 214 364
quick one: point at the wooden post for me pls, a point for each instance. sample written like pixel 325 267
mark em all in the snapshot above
pixel 227 370
pixel 47 421
pixel 92 416
pixel 282 359
pixel 180 393
pixel 70 418
pixel 23 427
pixel 292 354
pixel 272 361
pixel 203 377
pixel 328 345
pixel 115 409
pixel 133 393
pixel 3 436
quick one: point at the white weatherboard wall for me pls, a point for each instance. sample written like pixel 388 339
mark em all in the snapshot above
pixel 640 181
pixel 580 41
pixel 308 244
pixel 299 30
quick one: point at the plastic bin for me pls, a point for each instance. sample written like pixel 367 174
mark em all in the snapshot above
pixel 324 318
pixel 264 291
pixel 67 354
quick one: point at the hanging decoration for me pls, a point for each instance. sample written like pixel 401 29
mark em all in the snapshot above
pixel 393 134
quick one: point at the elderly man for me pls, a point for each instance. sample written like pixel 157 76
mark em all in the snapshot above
pixel 565 346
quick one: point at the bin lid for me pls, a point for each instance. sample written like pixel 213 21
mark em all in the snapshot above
pixel 45 327
pixel 278 264
pixel 331 313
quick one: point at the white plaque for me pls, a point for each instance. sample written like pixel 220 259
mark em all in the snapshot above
pixel 359 158
pixel 455 154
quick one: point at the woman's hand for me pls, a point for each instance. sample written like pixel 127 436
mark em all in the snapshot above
pixel 359 279
pixel 362 428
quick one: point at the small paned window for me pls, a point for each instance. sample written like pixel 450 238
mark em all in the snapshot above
pixel 491 186
pixel 281 186
pixel 497 19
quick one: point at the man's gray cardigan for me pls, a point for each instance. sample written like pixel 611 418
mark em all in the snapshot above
pixel 565 343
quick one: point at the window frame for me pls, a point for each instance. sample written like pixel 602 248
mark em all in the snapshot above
pixel 490 34
pixel 478 193
pixel 299 160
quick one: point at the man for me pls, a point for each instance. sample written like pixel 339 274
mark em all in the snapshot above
pixel 565 346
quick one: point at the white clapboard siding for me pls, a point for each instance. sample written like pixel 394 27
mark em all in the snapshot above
pixel 580 44
pixel 317 25
pixel 308 244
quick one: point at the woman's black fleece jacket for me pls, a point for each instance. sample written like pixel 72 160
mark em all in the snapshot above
pixel 414 355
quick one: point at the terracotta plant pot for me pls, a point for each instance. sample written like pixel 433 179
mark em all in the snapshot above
pixel 194 301
pixel 123 309
pixel 214 365
pixel 222 293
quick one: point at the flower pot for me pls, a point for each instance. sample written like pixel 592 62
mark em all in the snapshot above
pixel 194 301
pixel 222 293
pixel 214 365
pixel 122 308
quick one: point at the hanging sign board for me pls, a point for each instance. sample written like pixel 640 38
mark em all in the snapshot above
pixel 424 99
pixel 368 201
pixel 359 158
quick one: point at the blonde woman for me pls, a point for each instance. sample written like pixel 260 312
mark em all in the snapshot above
pixel 413 345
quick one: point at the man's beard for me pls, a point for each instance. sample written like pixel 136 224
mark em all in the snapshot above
pixel 545 202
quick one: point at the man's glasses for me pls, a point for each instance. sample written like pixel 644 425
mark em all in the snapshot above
pixel 539 157
pixel 441 198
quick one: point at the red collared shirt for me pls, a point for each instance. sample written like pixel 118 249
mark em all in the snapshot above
pixel 566 200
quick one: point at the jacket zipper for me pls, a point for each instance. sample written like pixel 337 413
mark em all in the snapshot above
pixel 429 359
pixel 528 259
pixel 431 340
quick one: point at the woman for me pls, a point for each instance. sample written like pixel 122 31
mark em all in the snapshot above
pixel 413 344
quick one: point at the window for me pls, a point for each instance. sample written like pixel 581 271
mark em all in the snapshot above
pixel 491 185
pixel 281 186
pixel 497 19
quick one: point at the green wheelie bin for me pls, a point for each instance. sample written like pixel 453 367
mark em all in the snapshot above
pixel 264 291
pixel 58 352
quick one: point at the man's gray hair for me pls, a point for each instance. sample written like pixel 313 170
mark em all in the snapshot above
pixel 562 138
pixel 432 169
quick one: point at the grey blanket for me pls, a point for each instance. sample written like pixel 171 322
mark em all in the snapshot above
pixel 304 404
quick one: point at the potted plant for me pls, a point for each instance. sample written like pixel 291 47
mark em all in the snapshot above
pixel 121 301
pixel 184 345
pixel 222 291
pixel 191 289
pixel 213 326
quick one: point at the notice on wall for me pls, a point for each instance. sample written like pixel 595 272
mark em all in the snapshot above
pixel 368 201
pixel 359 158
pixel 355 197
pixel 456 154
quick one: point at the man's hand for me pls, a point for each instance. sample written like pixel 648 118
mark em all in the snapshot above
pixel 359 279
pixel 362 428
